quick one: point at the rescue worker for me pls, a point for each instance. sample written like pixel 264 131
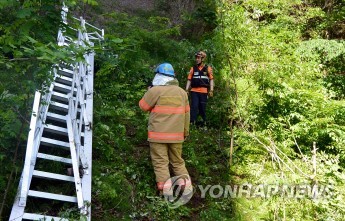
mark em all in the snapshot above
pixel 200 84
pixel 168 127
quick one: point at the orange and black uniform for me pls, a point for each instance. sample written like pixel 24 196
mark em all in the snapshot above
pixel 200 77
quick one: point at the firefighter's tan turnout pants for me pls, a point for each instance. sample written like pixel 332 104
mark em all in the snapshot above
pixel 164 153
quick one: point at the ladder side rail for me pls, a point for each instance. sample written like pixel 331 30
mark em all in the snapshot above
pixel 82 97
pixel 73 112
pixel 73 108
pixel 29 151
pixel 75 124
pixel 78 127
pixel 23 187
pixel 72 128
pixel 88 69
pixel 86 111
pixel 81 121
pixel 87 147
pixel 85 90
pixel 85 74
pixel 82 38
pixel 85 154
pixel 77 179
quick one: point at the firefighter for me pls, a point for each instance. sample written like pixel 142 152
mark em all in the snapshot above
pixel 168 127
pixel 200 84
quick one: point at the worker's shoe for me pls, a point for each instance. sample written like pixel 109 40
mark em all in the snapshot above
pixel 165 188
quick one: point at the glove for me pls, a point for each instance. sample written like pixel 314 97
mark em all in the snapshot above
pixel 210 93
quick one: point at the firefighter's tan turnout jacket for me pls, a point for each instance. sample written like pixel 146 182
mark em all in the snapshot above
pixel 169 113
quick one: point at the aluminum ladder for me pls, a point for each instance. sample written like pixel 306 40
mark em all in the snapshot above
pixel 60 138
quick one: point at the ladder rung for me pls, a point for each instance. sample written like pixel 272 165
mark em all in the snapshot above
pixel 60 97
pixel 66 70
pixel 61 87
pixel 33 216
pixel 56 117
pixel 58 130
pixel 52 196
pixel 55 129
pixel 58 106
pixel 51 142
pixel 64 80
pixel 67 73
pixel 54 158
pixel 54 176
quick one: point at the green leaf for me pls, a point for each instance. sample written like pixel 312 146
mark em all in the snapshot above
pixel 31 39
pixel 117 40
pixel 91 2
pixel 24 13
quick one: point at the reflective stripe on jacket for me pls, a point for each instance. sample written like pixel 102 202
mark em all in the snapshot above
pixel 169 113
pixel 200 77
pixel 210 76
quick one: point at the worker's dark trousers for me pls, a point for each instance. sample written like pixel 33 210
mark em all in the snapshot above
pixel 198 106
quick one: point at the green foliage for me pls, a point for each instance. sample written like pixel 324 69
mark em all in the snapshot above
pixel 283 93
pixel 199 24
pixel 329 55
pixel 113 191
pixel 332 23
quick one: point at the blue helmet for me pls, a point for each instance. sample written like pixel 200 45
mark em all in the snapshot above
pixel 165 69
